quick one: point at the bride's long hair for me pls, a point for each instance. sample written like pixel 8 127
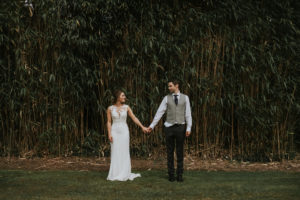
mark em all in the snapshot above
pixel 116 94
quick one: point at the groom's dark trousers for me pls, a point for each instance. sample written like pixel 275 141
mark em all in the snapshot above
pixel 175 135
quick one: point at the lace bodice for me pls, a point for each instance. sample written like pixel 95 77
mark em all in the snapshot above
pixel 119 114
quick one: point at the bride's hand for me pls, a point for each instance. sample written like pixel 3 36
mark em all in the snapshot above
pixel 110 138
pixel 145 130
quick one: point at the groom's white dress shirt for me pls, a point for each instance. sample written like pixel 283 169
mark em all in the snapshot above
pixel 163 107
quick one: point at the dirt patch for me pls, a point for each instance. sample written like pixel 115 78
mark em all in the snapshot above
pixel 102 164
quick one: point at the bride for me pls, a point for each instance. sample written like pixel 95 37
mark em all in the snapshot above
pixel 118 134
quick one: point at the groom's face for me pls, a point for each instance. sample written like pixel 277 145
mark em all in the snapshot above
pixel 172 88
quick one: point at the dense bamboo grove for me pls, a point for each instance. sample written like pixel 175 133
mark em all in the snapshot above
pixel 237 60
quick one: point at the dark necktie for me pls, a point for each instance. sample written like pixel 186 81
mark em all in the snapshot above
pixel 176 99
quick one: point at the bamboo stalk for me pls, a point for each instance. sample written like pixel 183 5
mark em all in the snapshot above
pixel 232 132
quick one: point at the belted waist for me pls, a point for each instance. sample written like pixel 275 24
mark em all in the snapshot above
pixel 177 125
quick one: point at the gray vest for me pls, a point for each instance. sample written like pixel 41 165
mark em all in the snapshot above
pixel 176 113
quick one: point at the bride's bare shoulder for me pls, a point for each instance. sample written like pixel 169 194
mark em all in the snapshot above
pixel 126 106
pixel 110 108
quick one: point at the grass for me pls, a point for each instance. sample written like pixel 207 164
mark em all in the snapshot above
pixel 153 185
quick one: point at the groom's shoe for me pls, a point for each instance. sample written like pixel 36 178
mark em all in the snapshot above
pixel 179 178
pixel 171 178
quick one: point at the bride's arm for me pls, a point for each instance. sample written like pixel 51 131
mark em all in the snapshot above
pixel 136 120
pixel 109 125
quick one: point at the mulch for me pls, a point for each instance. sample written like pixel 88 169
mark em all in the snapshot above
pixel 102 164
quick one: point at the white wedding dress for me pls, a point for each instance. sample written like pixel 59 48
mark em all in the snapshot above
pixel 120 164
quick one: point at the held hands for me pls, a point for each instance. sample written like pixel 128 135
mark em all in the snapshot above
pixel 146 130
pixel 149 130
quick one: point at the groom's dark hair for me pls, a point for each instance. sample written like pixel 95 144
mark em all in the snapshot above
pixel 174 81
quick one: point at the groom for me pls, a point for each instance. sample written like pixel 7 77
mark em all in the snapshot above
pixel 178 125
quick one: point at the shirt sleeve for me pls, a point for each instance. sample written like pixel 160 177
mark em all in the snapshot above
pixel 188 115
pixel 160 112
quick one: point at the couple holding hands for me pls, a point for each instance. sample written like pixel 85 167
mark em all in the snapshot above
pixel 176 127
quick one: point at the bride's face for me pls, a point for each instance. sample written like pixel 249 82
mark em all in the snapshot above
pixel 122 98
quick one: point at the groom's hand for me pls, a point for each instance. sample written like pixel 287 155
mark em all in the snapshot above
pixel 149 129
pixel 145 130
pixel 188 133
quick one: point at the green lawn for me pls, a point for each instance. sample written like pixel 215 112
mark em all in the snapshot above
pixel 153 185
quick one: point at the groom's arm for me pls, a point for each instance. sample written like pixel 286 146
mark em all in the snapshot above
pixel 160 112
pixel 188 116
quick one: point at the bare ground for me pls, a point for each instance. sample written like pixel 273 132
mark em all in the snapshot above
pixel 102 164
